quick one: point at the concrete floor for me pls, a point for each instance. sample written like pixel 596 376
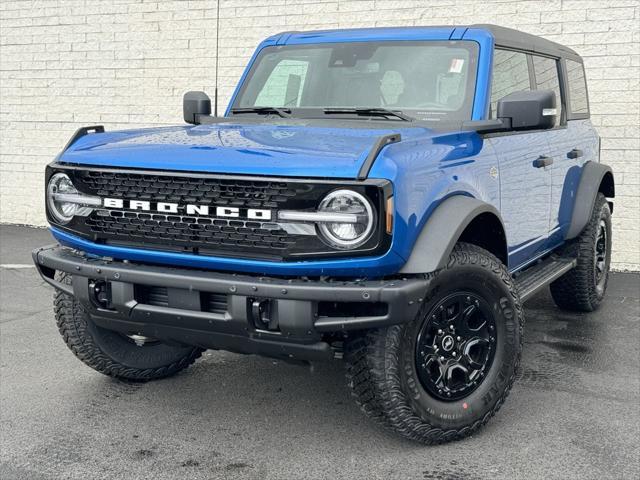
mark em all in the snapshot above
pixel 573 413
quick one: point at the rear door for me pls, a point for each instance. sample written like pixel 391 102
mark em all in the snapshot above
pixel 525 190
pixel 573 141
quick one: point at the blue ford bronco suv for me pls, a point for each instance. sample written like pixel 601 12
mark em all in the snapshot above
pixel 389 196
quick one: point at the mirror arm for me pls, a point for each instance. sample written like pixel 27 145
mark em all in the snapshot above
pixel 488 126
pixel 200 118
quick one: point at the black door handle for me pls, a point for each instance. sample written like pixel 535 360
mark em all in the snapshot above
pixel 575 153
pixel 542 161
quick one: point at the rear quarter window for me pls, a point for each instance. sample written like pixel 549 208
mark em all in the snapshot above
pixel 577 83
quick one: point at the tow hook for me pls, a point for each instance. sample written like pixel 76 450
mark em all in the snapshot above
pixel 101 293
pixel 262 315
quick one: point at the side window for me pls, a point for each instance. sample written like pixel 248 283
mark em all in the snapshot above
pixel 546 70
pixel 283 88
pixel 510 74
pixel 577 88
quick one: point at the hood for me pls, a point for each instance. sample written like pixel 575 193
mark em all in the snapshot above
pixel 234 148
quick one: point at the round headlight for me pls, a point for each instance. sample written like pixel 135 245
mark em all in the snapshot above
pixel 347 234
pixel 60 183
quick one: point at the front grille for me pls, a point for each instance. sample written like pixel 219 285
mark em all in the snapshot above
pixel 189 231
pixel 162 188
pixel 208 235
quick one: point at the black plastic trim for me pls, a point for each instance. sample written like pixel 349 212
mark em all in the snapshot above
pixel 381 142
pixel 294 302
pixel 592 175
pixel 81 132
pixel 442 231
pixel 510 38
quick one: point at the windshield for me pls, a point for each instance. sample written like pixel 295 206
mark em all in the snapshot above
pixel 431 80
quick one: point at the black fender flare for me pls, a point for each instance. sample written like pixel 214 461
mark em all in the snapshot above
pixel 442 231
pixel 593 173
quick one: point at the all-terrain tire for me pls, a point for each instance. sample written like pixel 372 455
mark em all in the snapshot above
pixel 112 353
pixel 583 288
pixel 381 367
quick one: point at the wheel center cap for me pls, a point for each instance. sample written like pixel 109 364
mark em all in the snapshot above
pixel 448 343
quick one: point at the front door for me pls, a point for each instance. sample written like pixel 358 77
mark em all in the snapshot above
pixel 525 192
pixel 525 177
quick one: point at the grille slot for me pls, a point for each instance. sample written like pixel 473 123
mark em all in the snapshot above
pixel 156 296
pixel 213 302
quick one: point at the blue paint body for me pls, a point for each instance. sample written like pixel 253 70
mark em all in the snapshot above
pixel 425 167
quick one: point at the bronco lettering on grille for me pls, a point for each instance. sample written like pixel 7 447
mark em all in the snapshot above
pixel 189 209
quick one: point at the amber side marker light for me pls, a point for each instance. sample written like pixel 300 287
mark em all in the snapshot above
pixel 389 215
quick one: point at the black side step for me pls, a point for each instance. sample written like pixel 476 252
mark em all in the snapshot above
pixel 535 278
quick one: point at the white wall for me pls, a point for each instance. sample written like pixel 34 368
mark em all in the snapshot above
pixel 126 63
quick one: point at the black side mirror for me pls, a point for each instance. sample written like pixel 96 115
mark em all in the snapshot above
pixel 532 110
pixel 194 105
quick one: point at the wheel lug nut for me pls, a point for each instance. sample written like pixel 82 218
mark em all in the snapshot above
pixel 441 359
pixel 458 338
pixel 454 354
pixel 439 331
pixel 451 327
pixel 448 394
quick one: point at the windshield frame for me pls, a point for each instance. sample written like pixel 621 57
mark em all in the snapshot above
pixel 307 112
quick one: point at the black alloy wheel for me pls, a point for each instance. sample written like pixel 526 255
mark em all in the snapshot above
pixel 455 346
pixel 601 258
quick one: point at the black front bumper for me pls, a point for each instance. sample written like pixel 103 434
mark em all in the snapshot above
pixel 300 312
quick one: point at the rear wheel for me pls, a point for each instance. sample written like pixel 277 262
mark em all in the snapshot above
pixel 131 357
pixel 583 288
pixel 442 376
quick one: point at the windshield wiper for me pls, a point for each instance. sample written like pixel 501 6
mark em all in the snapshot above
pixel 283 112
pixel 371 112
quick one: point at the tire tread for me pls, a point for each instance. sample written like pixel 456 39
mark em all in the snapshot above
pixel 575 290
pixel 373 361
pixel 72 325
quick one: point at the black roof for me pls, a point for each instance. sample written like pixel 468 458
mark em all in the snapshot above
pixel 508 37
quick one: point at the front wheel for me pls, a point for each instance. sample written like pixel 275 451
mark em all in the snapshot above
pixel 130 357
pixel 442 376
